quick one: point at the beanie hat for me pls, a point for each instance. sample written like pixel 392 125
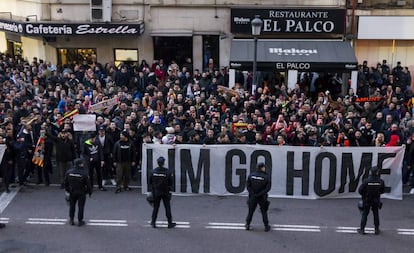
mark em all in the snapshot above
pixel 125 134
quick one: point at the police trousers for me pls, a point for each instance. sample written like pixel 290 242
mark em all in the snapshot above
pixel 264 206
pixel 157 201
pixel 367 207
pixel 73 199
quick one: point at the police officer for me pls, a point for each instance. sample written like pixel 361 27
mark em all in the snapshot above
pixel 258 185
pixel 161 181
pixel 371 190
pixel 77 183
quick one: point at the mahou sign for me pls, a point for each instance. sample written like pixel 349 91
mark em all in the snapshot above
pixel 296 172
pixel 304 22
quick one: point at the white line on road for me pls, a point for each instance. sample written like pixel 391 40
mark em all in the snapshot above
pixel 296 226
pixel 297 229
pixel 47 219
pixel 177 222
pixel 108 221
pixel 45 222
pixel 405 231
pixel 107 224
pixel 164 224
pixel 346 231
pixel 4 220
pixel 225 224
pixel 6 198
pixel 353 230
pixel 225 227
pixel 278 227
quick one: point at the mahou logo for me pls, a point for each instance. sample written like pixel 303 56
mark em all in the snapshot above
pixel 241 20
pixel 292 51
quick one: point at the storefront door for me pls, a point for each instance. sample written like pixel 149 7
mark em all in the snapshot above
pixel 76 55
pixel 173 49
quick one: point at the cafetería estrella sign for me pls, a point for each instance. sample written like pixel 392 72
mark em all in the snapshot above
pixel 56 29
pixel 303 22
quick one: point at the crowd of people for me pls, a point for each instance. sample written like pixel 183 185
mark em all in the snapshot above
pixel 171 104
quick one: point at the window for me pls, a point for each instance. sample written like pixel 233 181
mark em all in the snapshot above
pixel 129 56
pixel 76 55
pixel 173 49
pixel 210 52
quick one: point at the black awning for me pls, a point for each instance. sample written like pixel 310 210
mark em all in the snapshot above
pixel 302 55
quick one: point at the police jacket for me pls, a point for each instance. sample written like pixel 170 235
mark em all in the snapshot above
pixel 77 182
pixel 258 184
pixel 161 181
pixel 371 189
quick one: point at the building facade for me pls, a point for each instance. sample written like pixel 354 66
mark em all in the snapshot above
pixel 66 31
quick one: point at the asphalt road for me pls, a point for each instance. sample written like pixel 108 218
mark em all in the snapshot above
pixel 37 216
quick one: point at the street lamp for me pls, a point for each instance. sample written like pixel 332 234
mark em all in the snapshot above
pixel 256 29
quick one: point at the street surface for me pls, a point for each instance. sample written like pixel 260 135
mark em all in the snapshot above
pixel 37 216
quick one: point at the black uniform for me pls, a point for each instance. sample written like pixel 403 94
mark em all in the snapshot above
pixel 258 185
pixel 77 183
pixel 371 190
pixel 161 181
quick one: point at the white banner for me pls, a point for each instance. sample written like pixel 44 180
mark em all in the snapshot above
pixel 84 122
pixel 2 149
pixel 104 104
pixel 296 172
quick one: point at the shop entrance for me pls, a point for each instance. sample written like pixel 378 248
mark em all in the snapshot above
pixel 76 55
pixel 173 49
pixel 14 48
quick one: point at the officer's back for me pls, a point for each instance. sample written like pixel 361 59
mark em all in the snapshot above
pixel 77 181
pixel 372 188
pixel 161 181
pixel 258 182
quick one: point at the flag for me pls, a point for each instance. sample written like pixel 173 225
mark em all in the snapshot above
pixel 67 115
pixel 38 156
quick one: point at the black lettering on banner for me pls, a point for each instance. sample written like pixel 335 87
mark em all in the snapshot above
pixel 348 167
pixel 149 168
pixel 267 160
pixel 303 173
pixel 187 168
pixel 239 171
pixel 387 171
pixel 317 185
pixel 171 164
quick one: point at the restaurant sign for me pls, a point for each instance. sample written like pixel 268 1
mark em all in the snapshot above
pixel 56 29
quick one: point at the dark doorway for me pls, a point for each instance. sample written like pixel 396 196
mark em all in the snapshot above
pixel 76 55
pixel 173 49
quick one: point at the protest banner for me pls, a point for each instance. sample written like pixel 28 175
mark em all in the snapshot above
pixel 2 149
pixel 84 122
pixel 296 172
pixel 104 104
